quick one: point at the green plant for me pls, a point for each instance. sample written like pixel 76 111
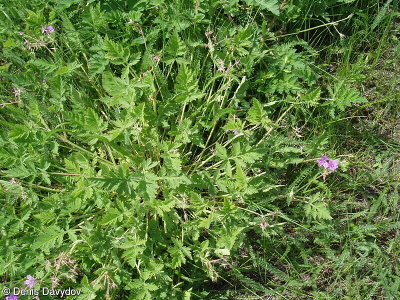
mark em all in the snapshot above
pixel 167 149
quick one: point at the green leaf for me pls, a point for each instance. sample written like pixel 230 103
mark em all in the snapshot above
pixel 97 64
pixel 51 237
pixel 135 58
pixel 122 91
pixel 68 68
pixel 270 5
pixel 343 96
pixel 44 65
pixel 63 4
pixel 116 53
pixel 111 85
pixel 186 85
pixel 381 14
pixel 317 209
pixel 111 217
pixel 88 120
pixel 240 177
pixel 178 258
pixel 311 98
pixel 174 49
pixel 147 186
pixel 256 114
pixel 221 151
pixel 172 162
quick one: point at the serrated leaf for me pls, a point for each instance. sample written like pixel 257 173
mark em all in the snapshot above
pixel 122 91
pixel 174 49
pixel 68 68
pixel 88 120
pixel 44 65
pixel 51 237
pixel 147 186
pixel 228 168
pixel 172 163
pixel 177 257
pixel 289 149
pixel 186 85
pixel 311 98
pixel 116 53
pixel 221 151
pixel 63 4
pixel 46 217
pixel 343 96
pixel 256 114
pixel 97 64
pixel 111 217
pixel 317 209
pixel 135 58
pixel 270 5
pixel 240 177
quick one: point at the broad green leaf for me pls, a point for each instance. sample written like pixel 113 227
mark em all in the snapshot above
pixel 311 98
pixel 256 113
pixel 111 217
pixel 343 96
pixel 51 237
pixel 63 4
pixel 221 151
pixel 186 85
pixel 44 65
pixel 116 53
pixel 68 68
pixel 97 64
pixel 317 209
pixel 270 5
pixel 88 120
pixel 175 49
pixel 240 177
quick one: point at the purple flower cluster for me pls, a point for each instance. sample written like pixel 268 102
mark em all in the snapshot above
pixel 48 29
pixel 30 281
pixel 327 163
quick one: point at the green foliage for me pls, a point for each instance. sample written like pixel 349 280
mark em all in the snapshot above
pixel 287 71
pixel 167 150
pixel 342 96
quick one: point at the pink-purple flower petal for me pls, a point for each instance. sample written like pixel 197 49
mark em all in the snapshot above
pixel 323 161
pixel 30 282
pixel 333 164
pixel 48 29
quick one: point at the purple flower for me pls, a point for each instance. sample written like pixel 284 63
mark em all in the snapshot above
pixel 48 29
pixel 323 161
pixel 30 281
pixel 333 164
pixel 327 163
pixel 12 297
pixel 235 132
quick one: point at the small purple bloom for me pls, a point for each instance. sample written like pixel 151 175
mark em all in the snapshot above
pixel 12 297
pixel 30 281
pixel 235 132
pixel 48 29
pixel 333 164
pixel 44 79
pixel 323 161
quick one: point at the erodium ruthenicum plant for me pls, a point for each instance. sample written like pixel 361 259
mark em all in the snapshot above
pixel 191 149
